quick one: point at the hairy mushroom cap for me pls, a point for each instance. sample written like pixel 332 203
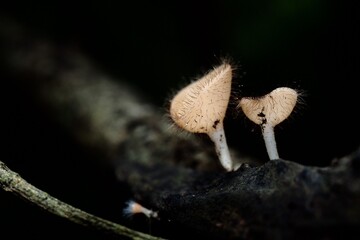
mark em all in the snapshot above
pixel 201 106
pixel 273 108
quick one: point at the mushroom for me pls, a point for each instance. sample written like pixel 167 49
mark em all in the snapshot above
pixel 133 207
pixel 268 111
pixel 200 107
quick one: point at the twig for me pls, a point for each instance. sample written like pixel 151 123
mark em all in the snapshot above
pixel 13 182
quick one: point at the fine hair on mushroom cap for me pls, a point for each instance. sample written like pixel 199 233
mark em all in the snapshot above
pixel 189 106
pixel 273 107
pixel 270 110
pixel 201 106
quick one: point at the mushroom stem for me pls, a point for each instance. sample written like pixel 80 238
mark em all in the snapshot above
pixel 268 111
pixel 270 142
pixel 222 150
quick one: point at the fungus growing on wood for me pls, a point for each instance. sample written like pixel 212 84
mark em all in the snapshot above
pixel 200 107
pixel 268 111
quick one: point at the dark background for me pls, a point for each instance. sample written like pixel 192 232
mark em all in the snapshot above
pixel 310 45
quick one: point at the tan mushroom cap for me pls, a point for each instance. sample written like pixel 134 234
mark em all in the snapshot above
pixel 273 108
pixel 201 106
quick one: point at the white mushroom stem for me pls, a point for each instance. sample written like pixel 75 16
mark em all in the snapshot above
pixel 270 142
pixel 201 106
pixel 268 111
pixel 221 147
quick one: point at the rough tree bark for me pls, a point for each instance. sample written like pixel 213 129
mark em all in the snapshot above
pixel 179 175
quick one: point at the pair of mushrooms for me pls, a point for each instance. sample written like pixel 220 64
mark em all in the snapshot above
pixel 200 107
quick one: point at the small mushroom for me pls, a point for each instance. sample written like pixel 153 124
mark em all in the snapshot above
pixel 200 107
pixel 133 208
pixel 268 111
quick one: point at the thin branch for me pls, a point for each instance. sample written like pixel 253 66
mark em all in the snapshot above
pixel 11 181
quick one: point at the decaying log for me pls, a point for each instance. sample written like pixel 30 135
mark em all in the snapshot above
pixel 178 175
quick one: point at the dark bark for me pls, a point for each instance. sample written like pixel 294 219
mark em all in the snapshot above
pixel 178 175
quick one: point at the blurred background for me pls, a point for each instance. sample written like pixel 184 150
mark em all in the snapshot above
pixel 158 47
